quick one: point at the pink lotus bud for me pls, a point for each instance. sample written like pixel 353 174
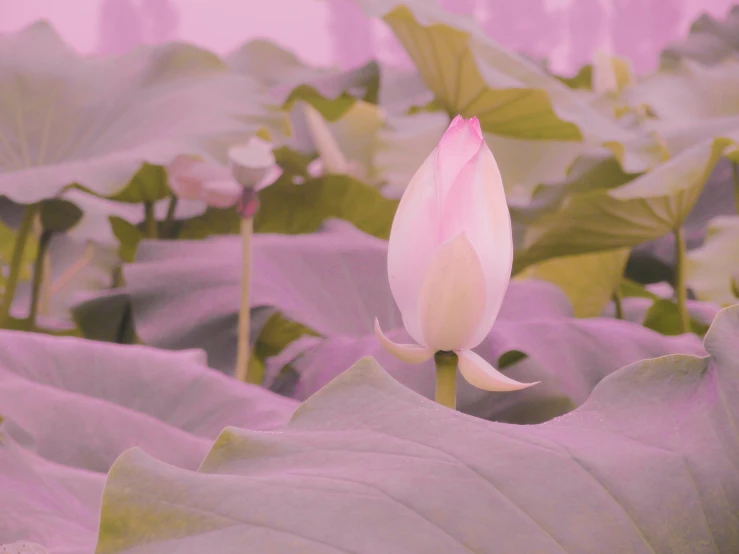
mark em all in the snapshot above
pixel 192 179
pixel 450 255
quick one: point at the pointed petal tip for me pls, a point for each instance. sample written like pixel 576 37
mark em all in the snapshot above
pixel 475 124
pixel 480 374
pixel 409 353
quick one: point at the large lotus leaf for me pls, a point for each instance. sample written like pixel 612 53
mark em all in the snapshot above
pixel 646 208
pixel 647 464
pixel 589 280
pixel 713 268
pixel 94 121
pixel 185 294
pixel 569 357
pixel 281 72
pixel 52 504
pixel 654 260
pixel 691 91
pixel 179 289
pixel 710 40
pixel 595 169
pixel 176 389
pixel 71 407
pixel 292 207
pixel 471 75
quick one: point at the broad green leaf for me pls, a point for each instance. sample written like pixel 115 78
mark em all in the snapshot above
pixel 149 184
pixel 646 208
pixel 71 407
pixel 366 449
pixel 105 316
pixel 629 288
pixel 59 215
pixel 94 122
pixel 95 223
pixel 663 316
pixel 583 79
pixel 712 267
pixel 589 280
pixel 129 236
pixel 276 334
pixel 289 208
pixel 471 75
pixel 214 221
pixel 659 312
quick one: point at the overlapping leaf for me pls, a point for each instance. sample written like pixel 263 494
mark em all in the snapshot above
pixel 71 407
pixel 646 208
pixel 647 464
pixel 713 269
pixel 710 40
pixel 470 75
pixel 91 121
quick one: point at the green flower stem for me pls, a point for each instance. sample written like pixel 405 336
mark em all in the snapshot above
pixel 735 171
pixel 681 291
pixel 38 276
pixel 618 303
pixel 11 284
pixel 150 221
pixel 242 339
pixel 446 379
pixel 168 227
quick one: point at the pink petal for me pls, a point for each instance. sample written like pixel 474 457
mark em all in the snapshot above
pixel 476 205
pixel 457 146
pixel 209 172
pixel 482 375
pixel 221 194
pixel 187 174
pixel 180 181
pixel 452 299
pixel 413 241
pixel 409 353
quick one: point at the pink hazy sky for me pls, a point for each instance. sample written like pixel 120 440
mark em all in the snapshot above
pixel 220 25
pixel 563 30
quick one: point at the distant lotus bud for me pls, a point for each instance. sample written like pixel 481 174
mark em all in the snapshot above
pixel 252 162
pixel 221 194
pixel 450 255
pixel 192 179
